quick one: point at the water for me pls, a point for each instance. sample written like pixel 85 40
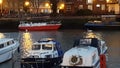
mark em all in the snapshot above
pixel 66 38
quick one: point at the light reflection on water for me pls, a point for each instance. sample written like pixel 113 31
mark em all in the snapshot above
pixel 67 37
pixel 26 44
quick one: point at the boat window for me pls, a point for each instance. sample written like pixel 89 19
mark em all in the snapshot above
pixel 36 47
pixel 12 42
pixel 8 43
pixel 103 47
pixel 93 58
pixel 85 41
pixel 47 46
pixel 1 45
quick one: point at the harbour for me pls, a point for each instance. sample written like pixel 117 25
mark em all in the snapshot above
pixel 66 37
pixel 59 33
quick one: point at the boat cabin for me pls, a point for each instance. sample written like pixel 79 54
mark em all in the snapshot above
pixel 93 42
pixel 46 47
pixel 6 42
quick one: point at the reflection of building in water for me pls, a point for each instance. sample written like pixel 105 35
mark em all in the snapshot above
pixel 26 44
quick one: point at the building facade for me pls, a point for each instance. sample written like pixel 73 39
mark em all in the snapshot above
pixel 96 6
pixel 67 6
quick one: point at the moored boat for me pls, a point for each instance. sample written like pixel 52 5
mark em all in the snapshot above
pixel 88 51
pixel 97 24
pixel 51 25
pixel 8 46
pixel 45 52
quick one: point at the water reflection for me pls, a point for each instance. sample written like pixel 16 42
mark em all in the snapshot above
pixel 66 38
pixel 26 45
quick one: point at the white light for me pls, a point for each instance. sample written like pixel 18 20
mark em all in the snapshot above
pixel 98 5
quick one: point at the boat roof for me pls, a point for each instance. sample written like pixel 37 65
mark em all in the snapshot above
pixel 3 40
pixel 45 40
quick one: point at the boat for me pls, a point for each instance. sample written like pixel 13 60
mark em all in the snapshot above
pixel 89 51
pixel 98 24
pixel 45 52
pixel 32 26
pixel 8 46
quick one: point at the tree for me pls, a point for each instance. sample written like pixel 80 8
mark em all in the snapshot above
pixel 54 7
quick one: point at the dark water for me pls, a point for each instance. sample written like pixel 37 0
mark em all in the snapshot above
pixel 66 38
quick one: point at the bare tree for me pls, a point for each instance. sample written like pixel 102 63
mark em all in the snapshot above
pixel 54 7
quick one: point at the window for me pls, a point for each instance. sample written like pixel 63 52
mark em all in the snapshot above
pixel 8 43
pixel 80 7
pixel 68 8
pixel 103 7
pixel 47 46
pixel 89 1
pixel 90 7
pixel 85 41
pixel 36 47
pixel 12 42
pixel 93 58
pixel 1 45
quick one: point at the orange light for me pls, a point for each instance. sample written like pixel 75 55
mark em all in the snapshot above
pixel 27 3
pixel 1 1
pixel 26 44
pixel 47 5
pixel 62 6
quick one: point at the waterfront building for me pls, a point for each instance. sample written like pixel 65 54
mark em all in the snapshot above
pixel 63 6
pixel 96 6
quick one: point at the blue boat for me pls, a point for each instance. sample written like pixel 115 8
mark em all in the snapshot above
pixel 102 25
pixel 45 52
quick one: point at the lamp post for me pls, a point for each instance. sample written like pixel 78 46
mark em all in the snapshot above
pixel 1 1
pixel 26 5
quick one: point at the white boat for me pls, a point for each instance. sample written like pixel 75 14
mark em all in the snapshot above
pixel 8 46
pixel 87 52
pixel 45 52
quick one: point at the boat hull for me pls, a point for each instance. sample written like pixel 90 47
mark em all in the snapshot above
pixel 39 28
pixel 6 56
pixel 40 62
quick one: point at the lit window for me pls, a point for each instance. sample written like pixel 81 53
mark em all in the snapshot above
pixel 90 1
pixel 102 7
pixel 80 7
pixel 90 7
pixel 68 8
pixel 47 46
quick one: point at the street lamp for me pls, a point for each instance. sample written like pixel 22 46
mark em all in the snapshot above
pixel 62 6
pixel 47 5
pixel 27 3
pixel 1 1
pixel 26 6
